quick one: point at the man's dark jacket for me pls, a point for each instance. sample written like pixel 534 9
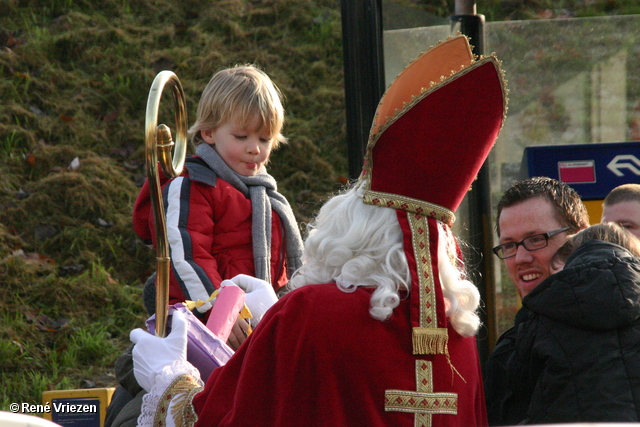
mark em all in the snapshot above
pixel 577 353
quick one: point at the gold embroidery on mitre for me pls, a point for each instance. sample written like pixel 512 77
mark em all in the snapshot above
pixel 373 137
pixel 464 59
pixel 427 338
pixel 423 402
pixel 181 392
pixel 408 204
pixel 367 169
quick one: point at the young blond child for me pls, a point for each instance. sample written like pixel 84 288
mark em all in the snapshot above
pixel 224 214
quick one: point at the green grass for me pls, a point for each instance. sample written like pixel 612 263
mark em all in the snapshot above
pixel 61 332
pixel 11 145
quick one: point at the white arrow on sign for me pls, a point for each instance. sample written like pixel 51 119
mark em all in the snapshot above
pixel 624 161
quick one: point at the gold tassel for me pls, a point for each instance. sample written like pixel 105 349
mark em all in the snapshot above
pixel 434 341
pixel 430 341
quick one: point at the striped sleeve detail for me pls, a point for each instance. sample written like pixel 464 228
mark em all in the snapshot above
pixel 192 278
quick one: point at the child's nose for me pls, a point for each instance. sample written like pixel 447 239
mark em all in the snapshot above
pixel 253 146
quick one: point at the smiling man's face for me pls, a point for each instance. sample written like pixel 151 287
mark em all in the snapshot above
pixel 527 269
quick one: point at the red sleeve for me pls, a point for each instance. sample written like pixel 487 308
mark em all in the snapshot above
pixel 190 231
pixel 142 214
pixel 194 270
pixel 143 221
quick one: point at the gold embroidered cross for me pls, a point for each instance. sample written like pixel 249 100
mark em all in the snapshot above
pixel 423 402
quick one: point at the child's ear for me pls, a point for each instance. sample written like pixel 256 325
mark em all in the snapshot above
pixel 207 136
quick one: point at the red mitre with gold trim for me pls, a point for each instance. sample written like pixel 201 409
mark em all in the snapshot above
pixel 433 130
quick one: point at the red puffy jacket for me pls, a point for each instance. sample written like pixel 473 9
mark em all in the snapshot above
pixel 209 232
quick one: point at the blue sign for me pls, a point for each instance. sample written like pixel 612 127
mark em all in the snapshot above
pixel 591 169
pixel 76 412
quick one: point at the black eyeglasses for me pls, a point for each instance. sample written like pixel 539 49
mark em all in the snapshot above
pixel 531 243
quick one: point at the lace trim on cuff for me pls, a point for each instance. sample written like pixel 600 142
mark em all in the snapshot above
pixel 172 395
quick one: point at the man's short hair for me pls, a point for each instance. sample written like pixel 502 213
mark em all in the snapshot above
pixel 623 193
pixel 570 210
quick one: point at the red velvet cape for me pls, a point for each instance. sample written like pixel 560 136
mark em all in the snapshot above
pixel 318 358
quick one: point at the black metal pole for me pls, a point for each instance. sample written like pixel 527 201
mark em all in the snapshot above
pixel 363 73
pixel 479 202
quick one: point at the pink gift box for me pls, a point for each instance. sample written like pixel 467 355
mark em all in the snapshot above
pixel 225 311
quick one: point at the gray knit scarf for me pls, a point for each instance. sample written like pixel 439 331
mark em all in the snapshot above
pixel 261 189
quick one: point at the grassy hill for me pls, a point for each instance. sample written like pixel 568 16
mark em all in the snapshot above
pixel 75 79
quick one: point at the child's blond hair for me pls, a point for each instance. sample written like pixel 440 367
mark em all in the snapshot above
pixel 240 93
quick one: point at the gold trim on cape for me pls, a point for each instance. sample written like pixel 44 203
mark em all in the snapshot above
pixel 408 204
pixel 427 337
pixel 423 402
pixel 181 392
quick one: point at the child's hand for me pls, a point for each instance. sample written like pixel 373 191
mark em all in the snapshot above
pixel 260 295
pixel 239 332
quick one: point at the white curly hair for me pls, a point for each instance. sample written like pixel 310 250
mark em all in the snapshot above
pixel 356 244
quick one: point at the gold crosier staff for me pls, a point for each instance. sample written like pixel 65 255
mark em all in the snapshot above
pixel 158 146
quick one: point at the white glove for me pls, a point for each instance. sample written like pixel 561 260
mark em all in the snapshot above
pixel 151 353
pixel 260 295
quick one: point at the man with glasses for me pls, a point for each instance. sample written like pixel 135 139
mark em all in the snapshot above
pixel 534 218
